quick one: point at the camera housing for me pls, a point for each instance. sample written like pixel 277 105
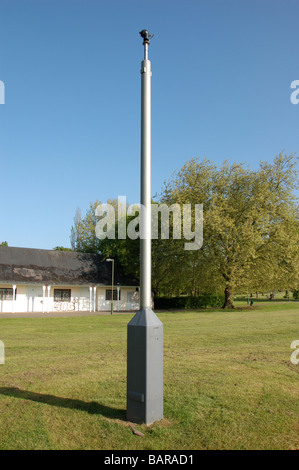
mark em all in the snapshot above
pixel 145 36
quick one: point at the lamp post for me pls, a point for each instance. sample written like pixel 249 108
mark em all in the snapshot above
pixel 145 330
pixel 108 261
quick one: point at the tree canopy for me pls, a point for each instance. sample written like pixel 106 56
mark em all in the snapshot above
pixel 250 229
pixel 250 224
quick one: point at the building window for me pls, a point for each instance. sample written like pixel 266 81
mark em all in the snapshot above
pixel 62 295
pixel 7 293
pixel 108 294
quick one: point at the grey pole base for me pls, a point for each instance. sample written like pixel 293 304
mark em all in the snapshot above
pixel 145 368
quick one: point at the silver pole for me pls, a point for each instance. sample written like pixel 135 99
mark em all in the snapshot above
pixel 145 180
pixel 145 330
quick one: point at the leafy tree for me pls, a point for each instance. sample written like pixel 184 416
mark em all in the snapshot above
pixel 3 244
pixel 75 230
pixel 125 252
pixel 83 236
pixel 84 239
pixel 250 225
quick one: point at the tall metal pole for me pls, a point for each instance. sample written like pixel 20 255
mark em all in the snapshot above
pixel 145 178
pixel 145 330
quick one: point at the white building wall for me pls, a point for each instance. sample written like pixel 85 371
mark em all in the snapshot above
pixel 39 298
pixel 6 306
pixel 34 298
pixel 84 299
pixel 129 299
pixel 62 306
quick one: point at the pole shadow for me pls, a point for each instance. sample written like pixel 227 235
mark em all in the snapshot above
pixel 88 407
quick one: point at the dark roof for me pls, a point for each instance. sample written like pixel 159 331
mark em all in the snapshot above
pixel 29 265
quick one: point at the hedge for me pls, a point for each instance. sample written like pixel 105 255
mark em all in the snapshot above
pixel 189 302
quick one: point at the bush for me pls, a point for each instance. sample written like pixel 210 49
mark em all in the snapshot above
pixel 296 294
pixel 189 302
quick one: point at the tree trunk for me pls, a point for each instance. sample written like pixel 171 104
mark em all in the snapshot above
pixel 228 301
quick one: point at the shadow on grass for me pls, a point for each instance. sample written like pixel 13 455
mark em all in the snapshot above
pixel 89 407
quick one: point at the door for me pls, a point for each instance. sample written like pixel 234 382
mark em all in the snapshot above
pixel 34 299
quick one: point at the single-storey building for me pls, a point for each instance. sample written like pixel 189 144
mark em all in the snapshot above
pixel 33 280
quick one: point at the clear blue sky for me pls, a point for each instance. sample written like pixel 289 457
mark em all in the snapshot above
pixel 70 126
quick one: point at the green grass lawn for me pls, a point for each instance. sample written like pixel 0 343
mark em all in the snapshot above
pixel 228 382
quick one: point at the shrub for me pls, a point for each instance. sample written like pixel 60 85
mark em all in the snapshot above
pixel 189 302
